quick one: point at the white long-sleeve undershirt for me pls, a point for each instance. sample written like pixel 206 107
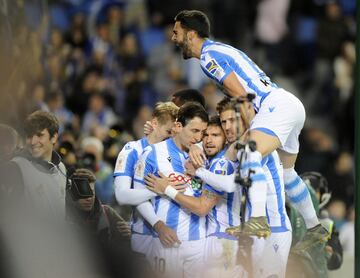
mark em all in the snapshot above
pixel 125 195
pixel 218 182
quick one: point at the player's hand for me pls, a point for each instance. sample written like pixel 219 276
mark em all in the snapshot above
pixel 123 229
pixel 190 168
pixel 159 184
pixel 148 128
pixel 167 236
pixel 197 156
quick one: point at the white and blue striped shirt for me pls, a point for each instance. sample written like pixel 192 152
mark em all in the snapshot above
pixel 125 166
pixel 275 199
pixel 167 158
pixel 127 158
pixel 218 60
pixel 226 213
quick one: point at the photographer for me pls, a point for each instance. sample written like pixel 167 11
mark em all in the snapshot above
pixel 106 231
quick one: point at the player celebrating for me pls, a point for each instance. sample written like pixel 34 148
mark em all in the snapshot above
pixel 277 124
pixel 222 209
pixel 169 157
pixel 163 119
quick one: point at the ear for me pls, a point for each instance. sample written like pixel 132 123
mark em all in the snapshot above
pixel 177 127
pixel 154 122
pixel 54 139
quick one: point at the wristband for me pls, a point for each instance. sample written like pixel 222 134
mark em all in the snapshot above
pixel 171 192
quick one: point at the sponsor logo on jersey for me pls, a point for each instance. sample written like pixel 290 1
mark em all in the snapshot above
pixel 194 183
pixel 220 172
pixel 212 67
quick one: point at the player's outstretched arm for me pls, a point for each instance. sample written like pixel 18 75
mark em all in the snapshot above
pixel 218 182
pixel 125 195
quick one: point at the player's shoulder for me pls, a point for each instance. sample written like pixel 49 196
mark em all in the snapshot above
pixel 222 166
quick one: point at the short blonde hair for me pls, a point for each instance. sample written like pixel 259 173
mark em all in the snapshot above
pixel 165 111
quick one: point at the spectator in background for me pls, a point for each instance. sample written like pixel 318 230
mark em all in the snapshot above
pixel 212 96
pixel 37 171
pixel 104 186
pixel 271 28
pixel 98 118
pixel 106 231
pixel 55 105
pixel 337 212
pixel 341 176
pixel 165 66
pixel 8 142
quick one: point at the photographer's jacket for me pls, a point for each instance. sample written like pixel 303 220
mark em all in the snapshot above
pixel 43 183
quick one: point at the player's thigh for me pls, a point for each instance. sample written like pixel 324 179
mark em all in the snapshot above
pixel 141 243
pixel 164 261
pixel 265 142
pixel 192 253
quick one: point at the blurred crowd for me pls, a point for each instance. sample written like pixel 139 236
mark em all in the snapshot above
pixel 100 66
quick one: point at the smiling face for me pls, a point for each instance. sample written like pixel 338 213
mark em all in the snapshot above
pixel 41 144
pixel 214 140
pixel 181 40
pixel 189 134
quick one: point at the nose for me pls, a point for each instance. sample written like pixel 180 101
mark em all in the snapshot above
pixel 173 38
pixel 227 125
pixel 198 137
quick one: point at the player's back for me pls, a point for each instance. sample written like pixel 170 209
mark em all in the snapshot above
pixel 218 60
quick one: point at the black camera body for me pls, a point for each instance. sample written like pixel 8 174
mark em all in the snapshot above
pixel 79 188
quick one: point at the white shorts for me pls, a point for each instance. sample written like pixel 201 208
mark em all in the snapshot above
pixel 281 115
pixel 141 243
pixel 220 258
pixel 183 261
pixel 270 255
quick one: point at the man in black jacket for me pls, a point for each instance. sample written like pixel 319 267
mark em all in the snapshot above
pixel 100 224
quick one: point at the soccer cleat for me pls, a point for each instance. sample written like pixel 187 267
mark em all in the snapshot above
pixel 255 226
pixel 234 231
pixel 313 236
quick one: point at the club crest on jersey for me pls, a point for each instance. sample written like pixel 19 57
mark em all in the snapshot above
pixel 212 67
pixel 139 168
pixel 120 163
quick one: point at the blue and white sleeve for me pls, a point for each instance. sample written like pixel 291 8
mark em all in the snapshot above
pixel 220 178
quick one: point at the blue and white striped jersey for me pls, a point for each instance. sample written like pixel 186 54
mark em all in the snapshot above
pixel 226 213
pixel 218 60
pixel 275 199
pixel 167 158
pixel 125 166
pixel 127 158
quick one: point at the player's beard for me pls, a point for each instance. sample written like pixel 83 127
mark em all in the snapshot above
pixel 185 50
